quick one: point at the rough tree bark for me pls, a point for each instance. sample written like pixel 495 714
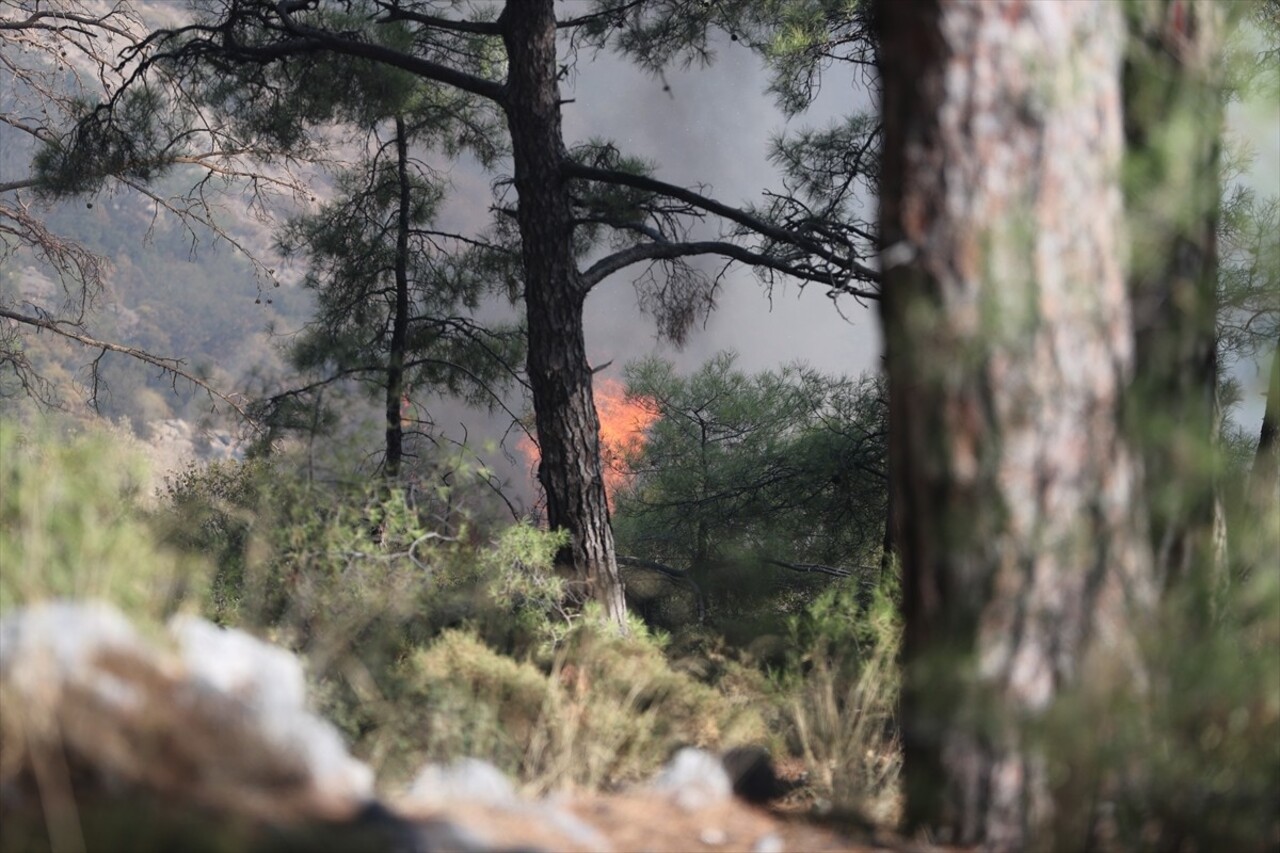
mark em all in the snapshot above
pixel 1264 479
pixel 559 375
pixel 400 317
pixel 1174 113
pixel 1009 350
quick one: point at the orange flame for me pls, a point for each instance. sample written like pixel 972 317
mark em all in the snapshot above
pixel 623 422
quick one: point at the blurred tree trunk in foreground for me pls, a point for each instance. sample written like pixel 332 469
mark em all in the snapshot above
pixel 1264 479
pixel 1174 111
pixel 1026 563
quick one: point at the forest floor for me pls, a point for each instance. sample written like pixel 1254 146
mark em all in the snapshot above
pixel 649 821
pixel 652 821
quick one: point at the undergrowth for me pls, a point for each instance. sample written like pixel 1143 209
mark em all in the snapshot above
pixel 70 528
pixel 428 637
pixel 840 699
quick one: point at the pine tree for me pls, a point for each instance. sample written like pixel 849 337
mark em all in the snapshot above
pixel 509 68
pixel 1009 352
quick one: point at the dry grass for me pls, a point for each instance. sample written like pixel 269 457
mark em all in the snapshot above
pixel 842 715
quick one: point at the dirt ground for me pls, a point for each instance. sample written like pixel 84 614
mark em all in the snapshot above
pixel 652 822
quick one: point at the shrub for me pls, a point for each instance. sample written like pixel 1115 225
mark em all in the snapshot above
pixel 70 527
pixel 840 696
pixel 603 710
pixel 1188 759
pixel 426 645
pixel 210 509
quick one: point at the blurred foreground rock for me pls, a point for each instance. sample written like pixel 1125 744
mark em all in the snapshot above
pixel 200 740
pixel 115 741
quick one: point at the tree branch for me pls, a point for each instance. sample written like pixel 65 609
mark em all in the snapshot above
pixel 396 13
pixel 35 22
pixel 674 574
pixel 571 169
pixel 172 366
pixel 618 13
pixel 606 266
pixel 315 39
pixel 834 571
pixel 23 184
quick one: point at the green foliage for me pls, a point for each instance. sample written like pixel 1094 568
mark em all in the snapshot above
pixel 1249 276
pixel 428 642
pixel 70 528
pixel 211 510
pixel 520 580
pixel 603 709
pixel 395 295
pixel 600 204
pixel 127 142
pixel 740 471
pixel 1189 759
pixel 840 696
pixel 279 104
pixel 352 256
pixel 317 564
pixel 467 700
pixel 801 40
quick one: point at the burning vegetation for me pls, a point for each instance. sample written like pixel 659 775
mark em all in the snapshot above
pixel 624 420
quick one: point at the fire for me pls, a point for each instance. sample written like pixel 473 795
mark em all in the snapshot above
pixel 623 422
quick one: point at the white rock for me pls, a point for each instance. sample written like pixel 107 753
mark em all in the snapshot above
pixel 230 661
pixel 771 843
pixel 270 681
pixel 574 828
pixel 475 782
pixel 694 778
pixel 91 648
pixel 713 836
pixel 466 779
pixel 46 647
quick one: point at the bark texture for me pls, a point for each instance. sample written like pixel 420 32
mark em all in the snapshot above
pixel 559 374
pixel 400 316
pixel 1173 126
pixel 1264 479
pixel 1009 351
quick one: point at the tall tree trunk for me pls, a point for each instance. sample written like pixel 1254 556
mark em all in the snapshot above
pixel 1264 479
pixel 400 315
pixel 1173 125
pixel 1009 350
pixel 559 375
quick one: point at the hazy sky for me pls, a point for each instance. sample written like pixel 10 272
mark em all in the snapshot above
pixel 713 128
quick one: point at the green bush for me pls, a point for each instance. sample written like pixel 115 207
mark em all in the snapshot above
pixel 1188 758
pixel 604 710
pixel 70 527
pixel 840 695
pixel 427 642
pixel 210 509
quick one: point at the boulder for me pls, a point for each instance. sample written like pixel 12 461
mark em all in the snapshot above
pixel 105 730
pixel 694 779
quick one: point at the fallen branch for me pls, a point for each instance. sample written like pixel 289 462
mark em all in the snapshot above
pixel 834 571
